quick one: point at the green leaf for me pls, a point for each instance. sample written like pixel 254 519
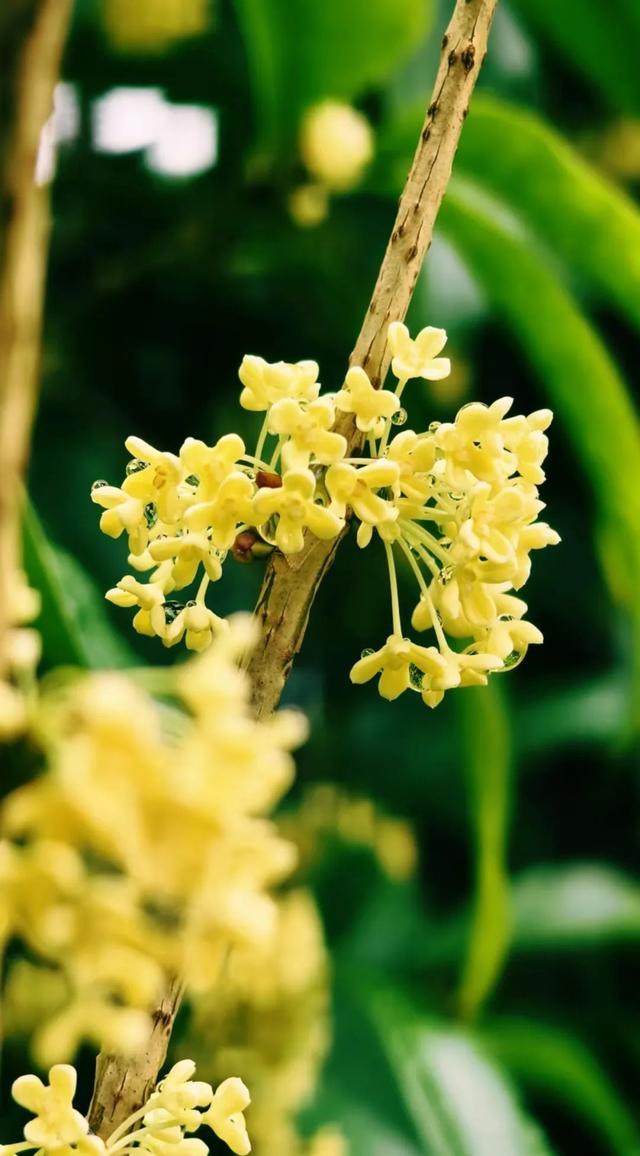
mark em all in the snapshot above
pixel 556 1063
pixel 588 222
pixel 366 1132
pixel 73 622
pixel 300 55
pixel 460 1102
pixel 576 905
pixel 583 383
pixel 555 908
pixel 486 743
pixel 599 39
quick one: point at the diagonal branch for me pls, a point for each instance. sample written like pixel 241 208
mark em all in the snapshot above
pixel 291 583
pixel 32 34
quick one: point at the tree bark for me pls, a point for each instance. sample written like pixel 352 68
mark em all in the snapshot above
pixel 291 583
pixel 32 35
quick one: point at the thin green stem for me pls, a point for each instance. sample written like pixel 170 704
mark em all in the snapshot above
pixel 418 533
pixel 408 552
pixel 437 625
pixel 255 462
pixel 124 1127
pixel 125 1141
pixel 262 437
pixel 276 454
pixel 202 588
pixel 393 584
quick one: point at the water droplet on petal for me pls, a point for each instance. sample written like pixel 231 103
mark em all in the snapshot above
pixel 445 575
pixel 399 417
pixel 98 484
pixel 135 465
pixel 435 425
pixel 192 480
pixel 367 651
pixel 416 676
pixel 513 659
pixel 150 515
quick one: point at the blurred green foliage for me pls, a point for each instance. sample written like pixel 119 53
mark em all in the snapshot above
pixel 525 919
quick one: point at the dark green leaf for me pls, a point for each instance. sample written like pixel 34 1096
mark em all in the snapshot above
pixel 73 621
pixel 486 740
pixel 588 222
pixel 600 40
pixel 302 54
pixel 556 1063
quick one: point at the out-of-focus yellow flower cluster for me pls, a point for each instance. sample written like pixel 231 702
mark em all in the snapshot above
pixel 22 650
pixel 458 503
pixel 178 1105
pixel 150 26
pixel 336 145
pixel 269 1018
pixel 325 811
pixel 143 848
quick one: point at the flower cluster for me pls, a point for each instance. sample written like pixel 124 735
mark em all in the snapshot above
pixel 325 811
pixel 269 1018
pixel 336 145
pixel 144 847
pixel 178 1105
pixel 22 651
pixel 457 504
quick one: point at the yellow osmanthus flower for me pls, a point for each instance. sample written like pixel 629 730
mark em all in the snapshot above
pixel 269 1018
pixel 457 502
pixel 307 427
pixel 266 383
pixel 231 505
pixel 370 406
pixel 225 1115
pixel 177 1106
pixel 146 844
pixel 336 144
pixel 295 509
pixel 206 467
pixel 399 661
pixel 357 487
pixel 418 357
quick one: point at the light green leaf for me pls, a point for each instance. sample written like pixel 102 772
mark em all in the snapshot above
pixel 556 1063
pixel 583 383
pixel 486 753
pixel 588 222
pixel 584 903
pixel 460 1102
pixel 73 622
pixel 599 39
pixel 299 54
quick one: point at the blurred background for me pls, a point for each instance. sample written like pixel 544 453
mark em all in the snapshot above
pixel 476 868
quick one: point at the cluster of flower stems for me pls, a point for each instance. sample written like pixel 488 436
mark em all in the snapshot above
pixel 179 1105
pixel 457 503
